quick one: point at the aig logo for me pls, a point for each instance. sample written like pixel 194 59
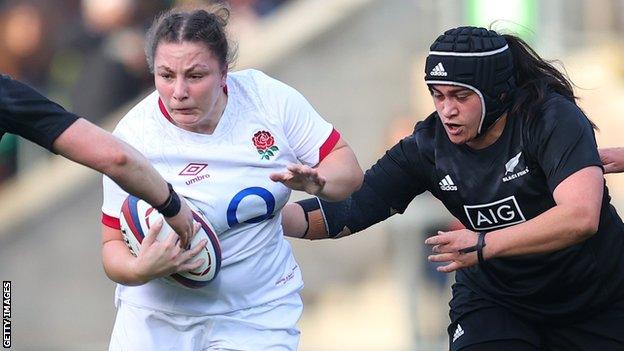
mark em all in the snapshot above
pixel 498 214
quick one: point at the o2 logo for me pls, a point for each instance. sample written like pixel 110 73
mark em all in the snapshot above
pixel 264 194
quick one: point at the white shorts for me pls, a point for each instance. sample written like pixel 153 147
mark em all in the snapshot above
pixel 271 326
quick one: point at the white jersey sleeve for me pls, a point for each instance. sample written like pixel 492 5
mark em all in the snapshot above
pixel 309 135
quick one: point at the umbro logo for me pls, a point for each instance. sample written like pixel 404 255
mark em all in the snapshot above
pixel 438 70
pixel 193 169
pixel 447 184
pixel 458 332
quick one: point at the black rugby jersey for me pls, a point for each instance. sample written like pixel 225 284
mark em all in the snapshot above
pixel 25 112
pixel 507 183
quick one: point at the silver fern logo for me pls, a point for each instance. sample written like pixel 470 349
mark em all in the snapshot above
pixel 510 167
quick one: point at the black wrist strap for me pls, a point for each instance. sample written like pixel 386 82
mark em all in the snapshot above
pixel 172 205
pixel 480 245
pixel 478 248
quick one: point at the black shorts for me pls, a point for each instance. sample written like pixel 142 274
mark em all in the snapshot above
pixel 601 331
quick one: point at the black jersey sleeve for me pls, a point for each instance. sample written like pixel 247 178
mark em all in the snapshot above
pixel 562 140
pixel 389 186
pixel 25 112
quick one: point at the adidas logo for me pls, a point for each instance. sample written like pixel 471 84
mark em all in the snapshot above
pixel 438 70
pixel 447 184
pixel 458 332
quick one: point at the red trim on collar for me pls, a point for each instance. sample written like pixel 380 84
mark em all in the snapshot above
pixel 164 111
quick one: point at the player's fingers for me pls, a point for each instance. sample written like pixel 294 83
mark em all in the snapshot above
pixel 172 239
pixel 197 249
pixel 281 177
pixel 443 257
pixel 152 233
pixel 189 266
pixel 609 168
pixel 298 169
pixel 451 267
pixel 437 240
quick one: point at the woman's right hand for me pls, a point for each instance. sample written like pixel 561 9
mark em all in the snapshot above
pixel 162 258
pixel 612 159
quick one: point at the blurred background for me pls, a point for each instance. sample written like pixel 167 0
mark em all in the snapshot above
pixel 359 62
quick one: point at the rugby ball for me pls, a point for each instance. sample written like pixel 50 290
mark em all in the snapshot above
pixel 137 216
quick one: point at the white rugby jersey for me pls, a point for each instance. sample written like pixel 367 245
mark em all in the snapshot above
pixel 265 126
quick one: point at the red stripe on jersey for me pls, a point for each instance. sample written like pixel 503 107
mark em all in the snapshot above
pixel 164 111
pixel 329 144
pixel 110 221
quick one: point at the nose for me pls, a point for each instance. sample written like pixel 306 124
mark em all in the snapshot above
pixel 449 108
pixel 180 90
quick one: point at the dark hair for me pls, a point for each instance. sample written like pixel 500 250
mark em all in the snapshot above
pixel 534 78
pixel 201 26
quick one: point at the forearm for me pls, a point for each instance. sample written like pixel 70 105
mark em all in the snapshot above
pixel 555 229
pixel 294 222
pixel 118 264
pixel 95 148
pixel 342 172
pixel 316 219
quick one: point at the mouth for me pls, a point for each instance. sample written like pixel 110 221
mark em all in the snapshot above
pixel 453 128
pixel 183 111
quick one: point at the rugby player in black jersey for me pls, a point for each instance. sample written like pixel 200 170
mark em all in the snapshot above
pixel 25 112
pixel 511 155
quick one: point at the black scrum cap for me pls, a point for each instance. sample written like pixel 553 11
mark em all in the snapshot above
pixel 478 59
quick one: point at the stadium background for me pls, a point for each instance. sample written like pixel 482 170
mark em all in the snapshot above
pixel 360 64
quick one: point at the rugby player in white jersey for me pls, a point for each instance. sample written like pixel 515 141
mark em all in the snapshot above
pixel 235 144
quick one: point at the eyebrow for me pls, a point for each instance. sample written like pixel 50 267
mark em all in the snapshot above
pixel 197 65
pixel 453 90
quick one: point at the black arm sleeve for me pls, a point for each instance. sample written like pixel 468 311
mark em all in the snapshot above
pixel 389 186
pixel 25 112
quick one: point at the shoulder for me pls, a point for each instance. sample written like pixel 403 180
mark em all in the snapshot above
pixel 420 144
pixel 558 110
pixel 425 133
pixel 250 78
pixel 557 114
pixel 138 115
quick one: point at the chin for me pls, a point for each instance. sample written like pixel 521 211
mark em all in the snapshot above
pixel 185 119
pixel 457 139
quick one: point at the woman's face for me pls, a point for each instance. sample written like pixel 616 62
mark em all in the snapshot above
pixel 459 109
pixel 190 82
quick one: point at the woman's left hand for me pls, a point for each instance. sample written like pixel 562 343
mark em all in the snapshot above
pixel 301 177
pixel 446 246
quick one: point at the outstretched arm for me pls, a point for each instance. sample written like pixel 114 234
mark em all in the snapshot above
pixel 388 187
pixel 575 218
pixel 333 179
pixel 89 145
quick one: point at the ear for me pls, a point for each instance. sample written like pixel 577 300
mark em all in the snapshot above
pixel 223 79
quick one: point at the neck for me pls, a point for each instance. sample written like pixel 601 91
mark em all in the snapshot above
pixel 490 136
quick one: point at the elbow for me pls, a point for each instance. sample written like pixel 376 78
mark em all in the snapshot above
pixel 115 164
pixel 586 223
pixel 354 184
